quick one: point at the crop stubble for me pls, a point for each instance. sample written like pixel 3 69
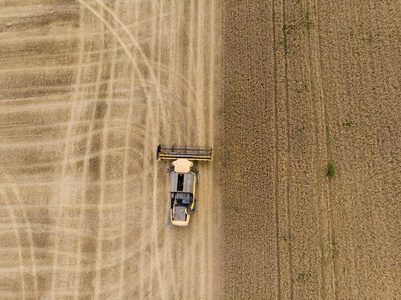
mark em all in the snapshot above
pixel 307 83
pixel 88 90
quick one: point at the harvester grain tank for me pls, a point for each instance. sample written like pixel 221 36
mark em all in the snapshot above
pixel 184 178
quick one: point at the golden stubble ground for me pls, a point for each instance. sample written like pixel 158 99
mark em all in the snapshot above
pixel 307 83
pixel 88 90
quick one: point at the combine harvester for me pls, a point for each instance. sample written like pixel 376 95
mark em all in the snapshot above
pixel 184 178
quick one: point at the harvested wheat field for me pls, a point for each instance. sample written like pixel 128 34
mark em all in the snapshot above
pixel 308 84
pixel 88 90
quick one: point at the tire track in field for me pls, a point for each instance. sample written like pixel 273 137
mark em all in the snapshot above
pixel 146 190
pixel 168 263
pixel 153 242
pixel 144 58
pixel 11 183
pixel 89 157
pixel 158 63
pixel 60 36
pixel 110 27
pixel 77 138
pixel 153 143
pixel 66 153
pixel 176 57
pixel 276 153
pixel 103 162
pixel 189 70
pixel 199 231
pixel 144 279
pixel 215 121
pixel 77 159
pixel 78 122
pixel 169 245
pixel 287 187
pixel 18 239
pixel 66 90
pixel 201 261
pixel 242 130
pixel 61 103
pixel 120 40
pixel 200 238
pixel 86 160
pixel 322 91
pixel 143 210
pixel 124 46
pixel 141 255
pixel 194 135
pixel 124 189
pixel 315 43
pixel 322 143
pixel 210 141
pixel 187 283
pixel 320 217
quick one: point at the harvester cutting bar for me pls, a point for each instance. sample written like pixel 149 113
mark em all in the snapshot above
pixel 188 152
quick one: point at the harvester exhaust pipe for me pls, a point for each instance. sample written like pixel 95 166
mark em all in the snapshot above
pixel 188 152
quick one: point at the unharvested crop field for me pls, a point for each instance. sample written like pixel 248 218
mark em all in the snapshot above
pixel 281 89
pixel 308 83
pixel 88 90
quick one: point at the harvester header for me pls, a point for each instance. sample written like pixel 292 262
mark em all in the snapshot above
pixel 188 152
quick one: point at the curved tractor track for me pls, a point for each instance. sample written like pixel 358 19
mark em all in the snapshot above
pixel 88 90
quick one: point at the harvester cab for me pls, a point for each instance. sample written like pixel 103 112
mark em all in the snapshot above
pixel 184 179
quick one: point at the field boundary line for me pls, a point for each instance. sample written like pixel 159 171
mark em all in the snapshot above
pixel 212 279
pixel 172 54
pixel 199 83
